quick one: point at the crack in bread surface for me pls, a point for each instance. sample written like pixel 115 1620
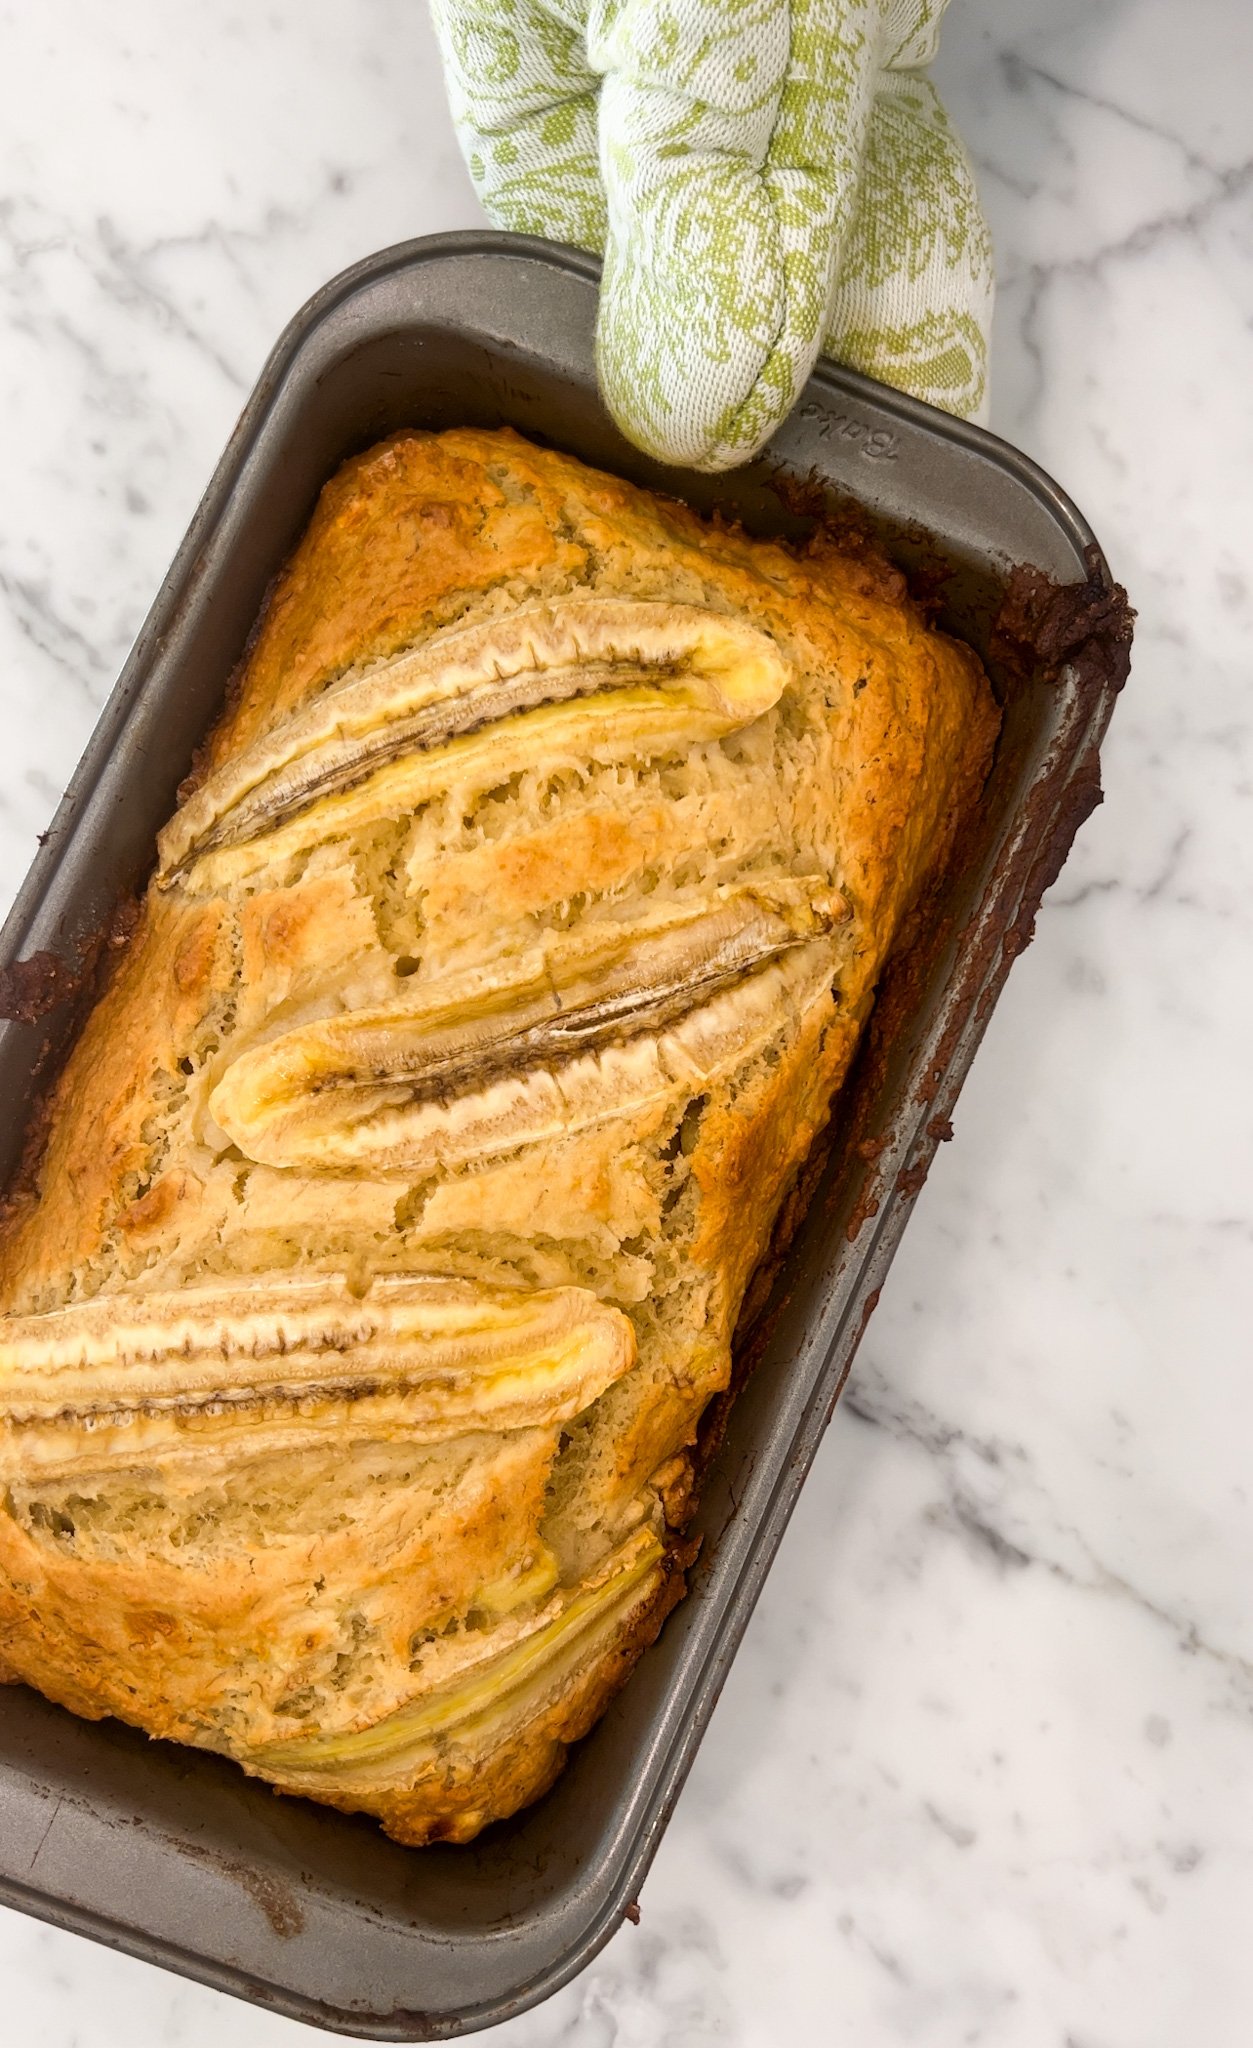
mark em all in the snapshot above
pixel 401 1192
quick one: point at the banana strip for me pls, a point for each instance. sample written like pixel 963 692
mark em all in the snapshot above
pixel 588 1026
pixel 412 1739
pixel 577 676
pixel 275 1363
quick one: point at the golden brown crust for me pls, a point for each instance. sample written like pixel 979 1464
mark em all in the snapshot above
pixel 804 824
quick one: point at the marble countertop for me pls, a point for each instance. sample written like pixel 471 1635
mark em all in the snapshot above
pixel 981 1773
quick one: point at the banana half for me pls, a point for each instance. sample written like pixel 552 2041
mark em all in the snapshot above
pixel 586 1027
pixel 273 1363
pixel 589 678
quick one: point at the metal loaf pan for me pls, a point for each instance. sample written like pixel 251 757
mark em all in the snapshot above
pixel 173 1855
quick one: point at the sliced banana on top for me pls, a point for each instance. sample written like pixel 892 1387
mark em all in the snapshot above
pixel 478 1063
pixel 272 1362
pixel 472 705
pixel 472 1706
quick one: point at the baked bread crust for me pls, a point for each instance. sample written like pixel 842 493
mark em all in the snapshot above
pixel 402 1189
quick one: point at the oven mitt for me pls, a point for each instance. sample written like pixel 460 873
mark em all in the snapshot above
pixel 763 179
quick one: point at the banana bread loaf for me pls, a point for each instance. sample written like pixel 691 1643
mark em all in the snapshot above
pixel 402 1189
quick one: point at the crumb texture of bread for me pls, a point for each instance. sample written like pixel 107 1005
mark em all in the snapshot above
pixel 402 1190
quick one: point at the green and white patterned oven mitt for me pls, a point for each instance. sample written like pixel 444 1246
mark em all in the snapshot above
pixel 765 178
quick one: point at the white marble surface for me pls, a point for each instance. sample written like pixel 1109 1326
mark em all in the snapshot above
pixel 982 1772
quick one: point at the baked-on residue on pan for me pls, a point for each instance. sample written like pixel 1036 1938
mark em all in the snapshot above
pixel 401 1192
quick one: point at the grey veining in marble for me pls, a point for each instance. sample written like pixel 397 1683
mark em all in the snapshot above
pixel 981 1774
